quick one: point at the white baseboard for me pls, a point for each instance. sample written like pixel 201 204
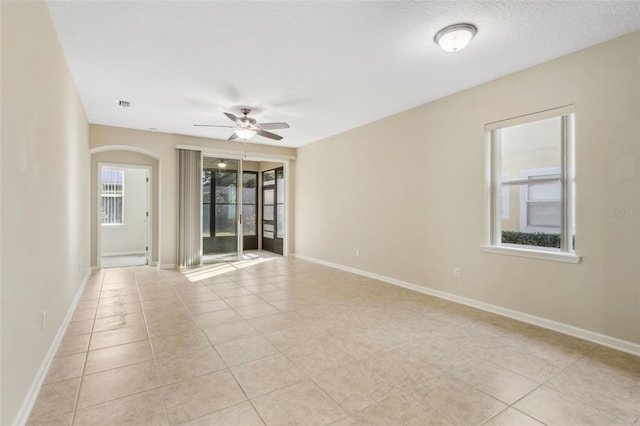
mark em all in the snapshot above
pixel 27 404
pixel 123 253
pixel 97 268
pixel 166 266
pixel 601 339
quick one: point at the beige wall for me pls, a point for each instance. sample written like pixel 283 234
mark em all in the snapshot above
pixel 163 146
pixel 45 195
pixel 250 166
pixel 269 165
pixel 125 158
pixel 416 222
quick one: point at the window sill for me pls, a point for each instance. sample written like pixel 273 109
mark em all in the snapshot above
pixel 536 254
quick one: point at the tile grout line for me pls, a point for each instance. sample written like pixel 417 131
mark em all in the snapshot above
pixel 570 397
pixel 76 406
pixel 84 369
pixel 162 387
pixel 512 405
pixel 229 368
pixel 279 352
pixel 315 383
pixel 153 354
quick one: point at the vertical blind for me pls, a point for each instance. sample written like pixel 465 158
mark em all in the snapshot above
pixel 112 196
pixel 189 200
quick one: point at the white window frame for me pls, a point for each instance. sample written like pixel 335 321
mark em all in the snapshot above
pixel 505 197
pixel 493 189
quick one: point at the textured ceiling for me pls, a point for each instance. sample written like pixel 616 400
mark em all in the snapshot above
pixel 323 67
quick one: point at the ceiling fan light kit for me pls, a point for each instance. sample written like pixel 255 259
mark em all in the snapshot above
pixel 245 133
pixel 455 37
pixel 246 127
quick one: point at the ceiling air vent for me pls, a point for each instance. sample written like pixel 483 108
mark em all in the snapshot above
pixel 124 104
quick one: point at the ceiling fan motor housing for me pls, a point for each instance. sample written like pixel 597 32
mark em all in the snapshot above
pixel 247 120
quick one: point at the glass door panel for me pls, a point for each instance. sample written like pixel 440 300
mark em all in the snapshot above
pixel 206 203
pixel 250 210
pixel 273 210
pixel 280 203
pixel 268 222
pixel 220 212
pixel 269 178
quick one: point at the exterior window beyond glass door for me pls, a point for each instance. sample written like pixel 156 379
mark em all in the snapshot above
pixel 273 210
pixel 250 210
pixel 279 203
pixel 268 197
pixel 206 203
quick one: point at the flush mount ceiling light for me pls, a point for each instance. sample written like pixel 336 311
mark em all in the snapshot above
pixel 245 133
pixel 222 164
pixel 455 37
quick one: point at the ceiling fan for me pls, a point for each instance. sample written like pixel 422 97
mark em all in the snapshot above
pixel 246 127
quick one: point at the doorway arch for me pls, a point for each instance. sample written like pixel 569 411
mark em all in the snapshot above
pixel 126 156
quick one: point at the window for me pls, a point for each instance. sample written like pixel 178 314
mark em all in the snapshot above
pixel 280 203
pixel 541 203
pixel 225 221
pixel 273 210
pixel 531 186
pixel 219 202
pixel 112 196
pixel 206 203
pixel 249 203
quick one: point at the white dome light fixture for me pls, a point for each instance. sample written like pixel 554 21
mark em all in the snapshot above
pixel 245 133
pixel 455 37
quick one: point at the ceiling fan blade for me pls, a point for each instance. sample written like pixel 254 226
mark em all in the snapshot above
pixel 269 135
pixel 233 137
pixel 212 125
pixel 272 126
pixel 233 118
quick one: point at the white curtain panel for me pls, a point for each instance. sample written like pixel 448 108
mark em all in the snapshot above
pixel 189 204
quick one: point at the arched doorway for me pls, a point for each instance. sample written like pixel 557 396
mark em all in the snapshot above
pixel 118 220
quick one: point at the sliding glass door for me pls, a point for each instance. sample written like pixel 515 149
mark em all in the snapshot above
pixel 231 209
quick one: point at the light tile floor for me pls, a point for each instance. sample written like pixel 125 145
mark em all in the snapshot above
pixel 283 341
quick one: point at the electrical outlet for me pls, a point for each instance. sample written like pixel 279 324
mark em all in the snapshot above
pixel 456 272
pixel 357 252
pixel 44 319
